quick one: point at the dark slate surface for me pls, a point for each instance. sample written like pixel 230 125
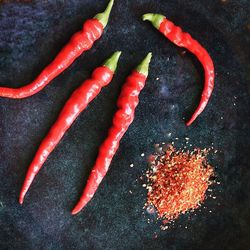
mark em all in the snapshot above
pixel 31 34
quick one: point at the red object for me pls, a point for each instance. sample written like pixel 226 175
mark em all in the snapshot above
pixel 178 181
pixel 78 101
pixel 183 39
pixel 79 43
pixel 127 102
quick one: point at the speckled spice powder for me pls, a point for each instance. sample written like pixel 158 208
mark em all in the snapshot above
pixel 177 181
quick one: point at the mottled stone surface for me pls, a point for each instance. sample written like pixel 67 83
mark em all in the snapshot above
pixel 31 34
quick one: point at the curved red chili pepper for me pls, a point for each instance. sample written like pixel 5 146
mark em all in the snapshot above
pixel 183 39
pixel 79 43
pixel 78 101
pixel 127 102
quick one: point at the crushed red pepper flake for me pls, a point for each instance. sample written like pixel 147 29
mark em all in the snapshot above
pixel 177 181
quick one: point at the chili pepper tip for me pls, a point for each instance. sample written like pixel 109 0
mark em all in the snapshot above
pixel 188 123
pixel 103 17
pixel 21 200
pixel 144 65
pixel 155 19
pixel 111 63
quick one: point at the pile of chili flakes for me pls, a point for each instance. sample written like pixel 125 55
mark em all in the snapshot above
pixel 177 181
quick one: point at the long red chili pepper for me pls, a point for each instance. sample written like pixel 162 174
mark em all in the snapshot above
pixel 78 101
pixel 127 102
pixel 182 39
pixel 79 42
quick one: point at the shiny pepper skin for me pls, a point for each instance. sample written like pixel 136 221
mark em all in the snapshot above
pixel 78 101
pixel 127 102
pixel 79 43
pixel 183 39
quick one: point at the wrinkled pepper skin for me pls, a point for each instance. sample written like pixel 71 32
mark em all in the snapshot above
pixel 183 39
pixel 79 43
pixel 127 103
pixel 78 101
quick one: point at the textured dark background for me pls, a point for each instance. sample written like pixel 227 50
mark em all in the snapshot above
pixel 31 34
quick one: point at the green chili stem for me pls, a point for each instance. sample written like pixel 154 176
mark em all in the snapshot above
pixel 155 19
pixel 103 17
pixel 111 63
pixel 144 66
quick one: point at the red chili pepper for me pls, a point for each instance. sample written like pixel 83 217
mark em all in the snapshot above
pixel 78 101
pixel 182 39
pixel 79 43
pixel 127 102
